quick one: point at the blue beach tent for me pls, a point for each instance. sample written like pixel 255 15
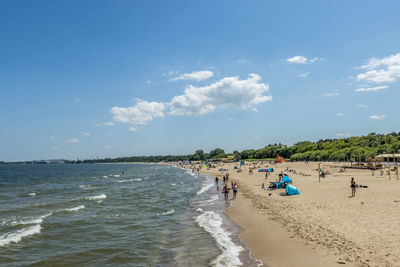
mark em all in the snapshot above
pixel 292 190
pixel 287 180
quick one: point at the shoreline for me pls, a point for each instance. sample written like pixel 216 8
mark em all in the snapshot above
pixel 324 225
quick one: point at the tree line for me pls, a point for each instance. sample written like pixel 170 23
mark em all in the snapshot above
pixel 358 148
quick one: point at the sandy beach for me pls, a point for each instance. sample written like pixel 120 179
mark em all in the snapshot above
pixel 324 225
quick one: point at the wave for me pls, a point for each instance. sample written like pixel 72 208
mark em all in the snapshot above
pixel 31 221
pixel 32 194
pixel 80 207
pixel 211 222
pixel 128 180
pixel 101 196
pixel 17 236
pixel 87 186
pixel 212 198
pixel 207 185
pixel 190 173
pixel 168 212
pixel 117 175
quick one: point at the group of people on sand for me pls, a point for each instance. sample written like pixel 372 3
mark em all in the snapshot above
pixel 295 172
pixel 225 189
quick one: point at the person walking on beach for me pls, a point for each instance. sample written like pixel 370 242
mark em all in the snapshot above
pixel 353 187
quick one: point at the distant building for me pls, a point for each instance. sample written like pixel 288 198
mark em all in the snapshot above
pixel 394 157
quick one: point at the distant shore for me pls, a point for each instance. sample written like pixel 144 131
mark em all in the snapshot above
pixel 324 225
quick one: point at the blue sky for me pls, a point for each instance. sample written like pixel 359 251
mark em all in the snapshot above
pixel 86 79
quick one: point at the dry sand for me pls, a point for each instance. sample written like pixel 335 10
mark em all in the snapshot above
pixel 324 225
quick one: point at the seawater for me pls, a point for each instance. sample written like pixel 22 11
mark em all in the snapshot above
pixel 114 214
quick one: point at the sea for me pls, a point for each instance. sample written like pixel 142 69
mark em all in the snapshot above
pixel 115 215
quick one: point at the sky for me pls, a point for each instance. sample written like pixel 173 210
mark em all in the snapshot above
pixel 95 79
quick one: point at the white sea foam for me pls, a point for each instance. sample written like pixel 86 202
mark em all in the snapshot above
pixel 212 198
pixel 199 210
pixel 173 184
pixel 190 173
pixel 206 185
pixel 128 180
pixel 32 194
pixel 15 237
pixel 117 175
pixel 37 220
pixel 105 176
pixel 101 196
pixel 87 186
pixel 168 212
pixel 212 223
pixel 80 207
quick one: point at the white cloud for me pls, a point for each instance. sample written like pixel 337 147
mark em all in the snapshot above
pixel 195 75
pixel 73 140
pixel 148 82
pixel 343 134
pixel 77 100
pixel 55 148
pixel 331 94
pixel 377 117
pixel 86 134
pixel 339 114
pixel 227 92
pixel 52 138
pixel 362 106
pixel 109 124
pixel 132 129
pixel 369 89
pixel 141 113
pixel 380 70
pixel 303 75
pixel 301 60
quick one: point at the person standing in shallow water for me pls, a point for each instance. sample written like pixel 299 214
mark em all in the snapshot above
pixel 353 187
pixel 217 182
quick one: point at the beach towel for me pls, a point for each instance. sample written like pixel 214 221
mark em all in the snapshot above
pixel 292 190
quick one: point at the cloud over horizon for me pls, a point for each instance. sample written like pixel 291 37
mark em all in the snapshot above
pixel 225 93
pixel 141 113
pixel 377 117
